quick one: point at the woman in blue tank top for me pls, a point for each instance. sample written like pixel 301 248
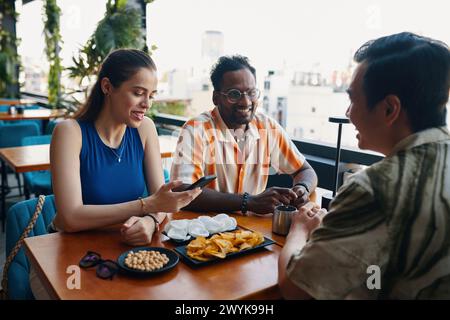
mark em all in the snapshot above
pixel 103 161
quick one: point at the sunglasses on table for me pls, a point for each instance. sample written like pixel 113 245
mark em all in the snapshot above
pixel 106 269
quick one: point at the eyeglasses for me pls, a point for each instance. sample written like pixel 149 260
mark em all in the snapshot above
pixel 234 95
pixel 106 269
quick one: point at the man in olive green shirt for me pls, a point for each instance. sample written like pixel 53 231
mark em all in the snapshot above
pixel 387 234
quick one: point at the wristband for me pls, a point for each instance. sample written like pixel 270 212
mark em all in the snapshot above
pixel 304 185
pixel 155 220
pixel 244 203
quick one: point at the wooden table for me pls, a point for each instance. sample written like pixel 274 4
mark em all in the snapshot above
pixel 34 114
pixel 37 157
pixel 15 102
pixel 250 276
pixel 27 158
pixel 263 223
pixel 22 159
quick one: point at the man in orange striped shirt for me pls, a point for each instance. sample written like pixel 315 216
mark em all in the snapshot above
pixel 241 147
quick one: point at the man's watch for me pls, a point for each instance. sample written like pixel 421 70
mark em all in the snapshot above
pixel 304 185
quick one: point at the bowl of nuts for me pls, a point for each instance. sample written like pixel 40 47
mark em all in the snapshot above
pixel 148 260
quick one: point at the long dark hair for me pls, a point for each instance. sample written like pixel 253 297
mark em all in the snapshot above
pixel 119 66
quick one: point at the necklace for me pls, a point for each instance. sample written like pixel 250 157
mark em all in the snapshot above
pixel 119 156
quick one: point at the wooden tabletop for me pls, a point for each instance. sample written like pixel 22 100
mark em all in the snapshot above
pixel 34 114
pixel 37 157
pixel 27 158
pixel 263 223
pixel 249 276
pixel 15 102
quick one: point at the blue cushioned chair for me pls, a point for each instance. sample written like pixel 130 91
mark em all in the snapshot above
pixel 5 108
pixel 37 182
pixel 51 126
pixel 39 123
pixel 166 176
pixel 36 122
pixel 166 179
pixel 11 135
pixel 18 217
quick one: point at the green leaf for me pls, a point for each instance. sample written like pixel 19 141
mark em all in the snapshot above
pixel 119 28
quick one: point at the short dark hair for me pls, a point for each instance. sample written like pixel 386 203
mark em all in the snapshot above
pixel 226 64
pixel 119 66
pixel 412 67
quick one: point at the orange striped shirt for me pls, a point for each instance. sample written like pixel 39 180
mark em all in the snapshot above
pixel 206 146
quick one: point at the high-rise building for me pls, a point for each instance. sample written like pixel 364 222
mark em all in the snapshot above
pixel 212 49
pixel 212 45
pixel 275 92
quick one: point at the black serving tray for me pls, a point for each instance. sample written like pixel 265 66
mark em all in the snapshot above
pixel 182 251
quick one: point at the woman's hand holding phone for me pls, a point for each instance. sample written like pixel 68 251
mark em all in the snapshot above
pixel 166 200
pixel 202 182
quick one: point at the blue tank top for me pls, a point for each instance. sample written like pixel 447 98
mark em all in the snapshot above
pixel 105 179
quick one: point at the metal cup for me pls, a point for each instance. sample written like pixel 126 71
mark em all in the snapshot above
pixel 281 220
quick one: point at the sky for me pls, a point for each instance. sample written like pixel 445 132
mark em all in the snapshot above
pixel 296 34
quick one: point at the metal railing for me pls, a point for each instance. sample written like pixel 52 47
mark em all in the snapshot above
pixel 320 155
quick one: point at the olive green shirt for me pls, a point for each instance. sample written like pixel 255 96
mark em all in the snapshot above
pixel 394 215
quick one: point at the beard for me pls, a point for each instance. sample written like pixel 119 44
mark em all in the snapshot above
pixel 240 118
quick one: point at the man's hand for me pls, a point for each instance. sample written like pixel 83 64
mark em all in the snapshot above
pixel 266 201
pixel 308 218
pixel 302 196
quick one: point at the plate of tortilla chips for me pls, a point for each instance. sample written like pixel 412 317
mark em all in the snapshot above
pixel 223 245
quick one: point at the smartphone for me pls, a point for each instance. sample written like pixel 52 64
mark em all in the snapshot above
pixel 202 182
